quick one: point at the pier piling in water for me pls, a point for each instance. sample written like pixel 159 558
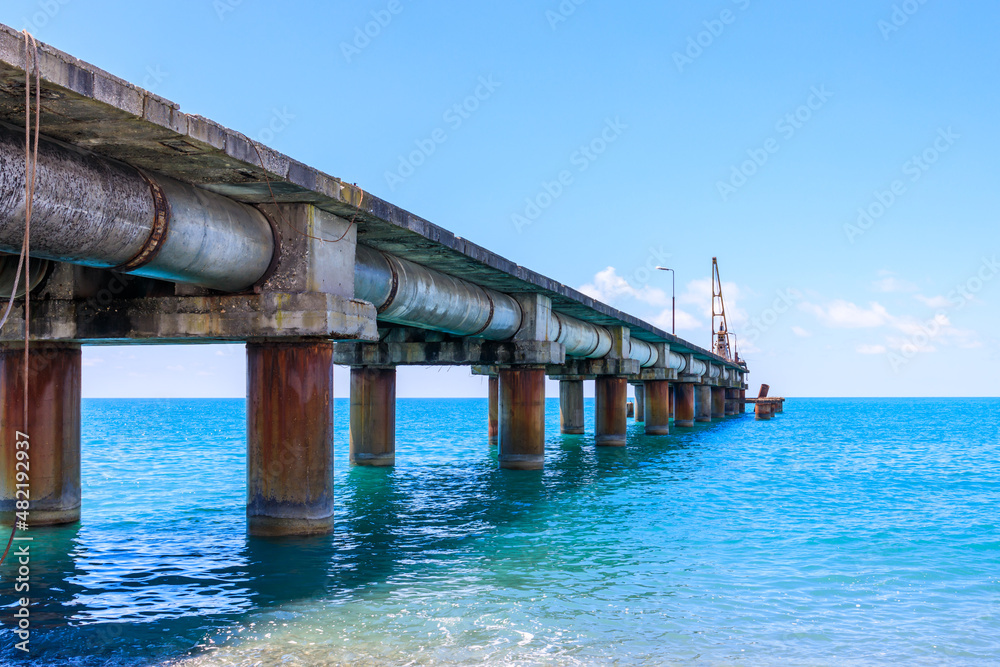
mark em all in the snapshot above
pixel 46 469
pixel 373 416
pixel 656 393
pixel 703 403
pixel 522 418
pixel 493 410
pixel 571 406
pixel 610 423
pixel 289 438
pixel 684 404
pixel 718 402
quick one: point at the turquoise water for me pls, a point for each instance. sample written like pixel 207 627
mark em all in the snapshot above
pixel 840 532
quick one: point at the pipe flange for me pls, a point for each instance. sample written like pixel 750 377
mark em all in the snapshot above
pixel 161 225
pixel 489 320
pixel 393 289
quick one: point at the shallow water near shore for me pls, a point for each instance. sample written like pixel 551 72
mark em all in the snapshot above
pixel 842 531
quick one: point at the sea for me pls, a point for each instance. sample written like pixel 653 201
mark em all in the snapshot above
pixel 841 532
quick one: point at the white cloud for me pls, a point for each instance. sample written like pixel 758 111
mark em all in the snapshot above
pixel 685 321
pixel 800 332
pixel 903 332
pixel 841 314
pixel 933 301
pixel 893 284
pixel 609 287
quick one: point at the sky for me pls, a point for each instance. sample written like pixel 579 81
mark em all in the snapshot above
pixel 838 158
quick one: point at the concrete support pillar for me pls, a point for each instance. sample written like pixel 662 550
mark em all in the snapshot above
pixel 290 438
pixel 779 406
pixel 51 459
pixel 640 403
pixel 742 408
pixel 703 403
pixel 670 393
pixel 762 410
pixel 610 420
pixel 493 419
pixel 718 402
pixel 373 416
pixel 571 406
pixel 730 402
pixel 522 418
pixel 684 404
pixel 657 393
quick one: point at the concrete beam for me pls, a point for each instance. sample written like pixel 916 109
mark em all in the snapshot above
pixel 457 352
pixel 80 304
pixel 594 367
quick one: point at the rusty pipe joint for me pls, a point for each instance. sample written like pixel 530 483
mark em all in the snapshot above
pixel 98 212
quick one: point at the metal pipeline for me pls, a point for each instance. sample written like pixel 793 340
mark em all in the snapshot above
pixel 98 212
pixel 8 270
pixel 407 293
pixel 581 339
pixel 411 294
pixel 696 367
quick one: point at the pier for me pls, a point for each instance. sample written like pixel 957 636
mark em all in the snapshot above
pixel 151 226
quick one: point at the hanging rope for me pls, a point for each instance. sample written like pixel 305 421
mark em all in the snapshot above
pixel 30 171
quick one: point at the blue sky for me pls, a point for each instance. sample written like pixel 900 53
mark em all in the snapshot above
pixel 838 159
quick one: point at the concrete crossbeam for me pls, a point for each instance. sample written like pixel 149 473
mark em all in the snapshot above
pixel 457 352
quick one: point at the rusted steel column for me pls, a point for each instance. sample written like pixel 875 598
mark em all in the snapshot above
pixel 703 403
pixel 290 438
pixel 373 416
pixel 493 419
pixel 522 418
pixel 684 404
pixel 779 406
pixel 610 420
pixel 718 402
pixel 51 460
pixel 657 393
pixel 762 410
pixel 640 403
pixel 571 406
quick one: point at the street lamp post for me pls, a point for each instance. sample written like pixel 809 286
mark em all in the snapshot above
pixel 673 300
